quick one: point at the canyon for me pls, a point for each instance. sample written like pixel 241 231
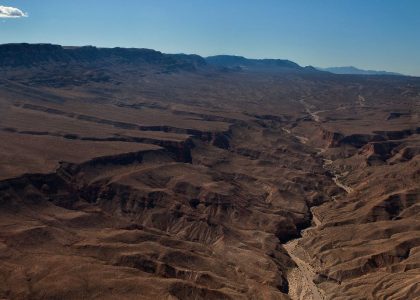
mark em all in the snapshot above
pixel 133 174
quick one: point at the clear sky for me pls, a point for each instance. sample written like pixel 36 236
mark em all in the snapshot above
pixel 370 34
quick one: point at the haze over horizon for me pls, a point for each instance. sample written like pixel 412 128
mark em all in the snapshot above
pixel 374 35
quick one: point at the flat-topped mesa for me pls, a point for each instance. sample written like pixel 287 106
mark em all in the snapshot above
pixel 27 55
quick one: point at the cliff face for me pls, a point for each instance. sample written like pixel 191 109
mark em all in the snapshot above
pixel 27 55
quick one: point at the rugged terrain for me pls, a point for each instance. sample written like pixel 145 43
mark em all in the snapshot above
pixel 132 174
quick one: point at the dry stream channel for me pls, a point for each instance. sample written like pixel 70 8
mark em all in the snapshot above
pixel 301 278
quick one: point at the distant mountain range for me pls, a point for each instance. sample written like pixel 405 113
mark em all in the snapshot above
pixel 240 61
pixel 350 70
pixel 243 63
pixel 30 55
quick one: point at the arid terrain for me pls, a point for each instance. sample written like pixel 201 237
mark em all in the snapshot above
pixel 132 174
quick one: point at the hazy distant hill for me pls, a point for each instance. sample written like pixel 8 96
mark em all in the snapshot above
pixel 353 70
pixel 240 61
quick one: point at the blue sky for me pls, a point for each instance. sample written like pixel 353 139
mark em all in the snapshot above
pixel 370 34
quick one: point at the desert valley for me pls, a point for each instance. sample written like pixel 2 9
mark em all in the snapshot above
pixel 132 174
